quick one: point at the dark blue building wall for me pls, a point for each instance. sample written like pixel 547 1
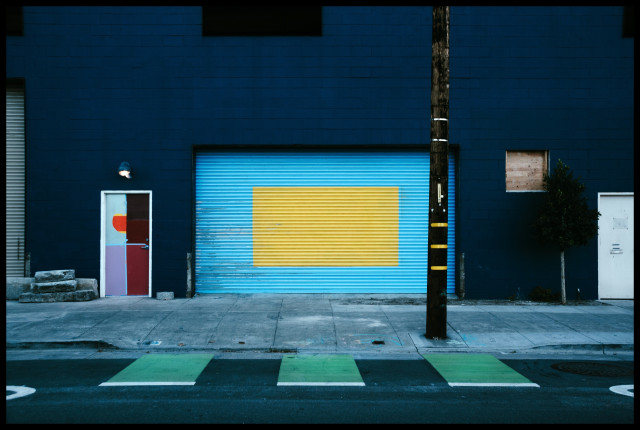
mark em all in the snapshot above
pixel 141 84
pixel 546 78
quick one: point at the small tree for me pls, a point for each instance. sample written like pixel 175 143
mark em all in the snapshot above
pixel 565 219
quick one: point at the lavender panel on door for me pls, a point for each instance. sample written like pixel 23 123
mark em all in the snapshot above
pixel 115 271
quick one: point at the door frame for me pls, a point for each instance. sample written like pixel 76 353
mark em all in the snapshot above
pixel 600 195
pixel 103 232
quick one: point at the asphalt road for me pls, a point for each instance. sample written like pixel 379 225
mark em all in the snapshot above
pixel 247 391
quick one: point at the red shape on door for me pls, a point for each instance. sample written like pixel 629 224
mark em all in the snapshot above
pixel 119 222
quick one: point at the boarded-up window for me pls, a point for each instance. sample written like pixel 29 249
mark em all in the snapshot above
pixel 525 170
pixel 14 20
pixel 627 21
pixel 262 20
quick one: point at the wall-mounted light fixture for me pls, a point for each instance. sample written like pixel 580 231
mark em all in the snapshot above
pixel 125 170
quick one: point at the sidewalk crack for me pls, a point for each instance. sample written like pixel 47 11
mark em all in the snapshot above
pixel 275 332
pixel 393 327
pixel 155 326
pixel 212 333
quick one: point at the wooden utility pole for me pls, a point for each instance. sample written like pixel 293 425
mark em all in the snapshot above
pixel 439 177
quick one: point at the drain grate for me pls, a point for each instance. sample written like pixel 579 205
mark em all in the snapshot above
pixel 593 368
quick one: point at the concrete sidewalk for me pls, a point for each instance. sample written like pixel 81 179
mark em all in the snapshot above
pixel 384 326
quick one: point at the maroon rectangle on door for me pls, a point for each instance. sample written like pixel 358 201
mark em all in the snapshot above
pixel 138 218
pixel 137 270
pixel 137 244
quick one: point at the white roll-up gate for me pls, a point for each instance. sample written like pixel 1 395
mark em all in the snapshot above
pixel 15 184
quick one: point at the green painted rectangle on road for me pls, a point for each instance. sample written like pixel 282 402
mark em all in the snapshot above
pixel 319 370
pixel 162 369
pixel 476 370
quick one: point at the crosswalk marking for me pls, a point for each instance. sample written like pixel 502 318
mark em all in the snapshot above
pixel 458 370
pixel 319 370
pixel 476 370
pixel 161 369
pixel 141 383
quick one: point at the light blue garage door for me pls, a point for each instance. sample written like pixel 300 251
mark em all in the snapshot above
pixel 315 222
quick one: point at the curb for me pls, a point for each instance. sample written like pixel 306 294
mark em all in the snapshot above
pixel 63 344
pixel 272 351
pixel 590 347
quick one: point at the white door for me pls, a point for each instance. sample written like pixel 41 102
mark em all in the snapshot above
pixel 125 261
pixel 615 246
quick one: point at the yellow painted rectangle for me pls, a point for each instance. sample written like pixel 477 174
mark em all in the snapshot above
pixel 325 226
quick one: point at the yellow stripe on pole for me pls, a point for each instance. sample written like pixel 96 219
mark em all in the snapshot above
pixel 438 267
pixel 439 246
pixel 439 224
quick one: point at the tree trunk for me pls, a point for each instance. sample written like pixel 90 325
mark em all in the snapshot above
pixel 563 294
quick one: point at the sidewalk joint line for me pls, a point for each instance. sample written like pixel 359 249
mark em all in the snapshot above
pixel 275 331
pixel 156 326
pixel 393 327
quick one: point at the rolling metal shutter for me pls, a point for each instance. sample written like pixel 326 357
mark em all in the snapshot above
pixel 15 185
pixel 315 222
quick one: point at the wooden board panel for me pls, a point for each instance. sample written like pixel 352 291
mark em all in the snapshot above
pixel 525 170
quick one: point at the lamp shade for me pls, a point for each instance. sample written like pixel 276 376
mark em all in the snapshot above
pixel 125 170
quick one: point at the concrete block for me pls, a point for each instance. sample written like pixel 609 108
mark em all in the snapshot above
pixel 88 284
pixel 83 295
pixel 166 295
pixel 66 296
pixel 54 287
pixel 17 286
pixel 55 275
pixel 37 298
